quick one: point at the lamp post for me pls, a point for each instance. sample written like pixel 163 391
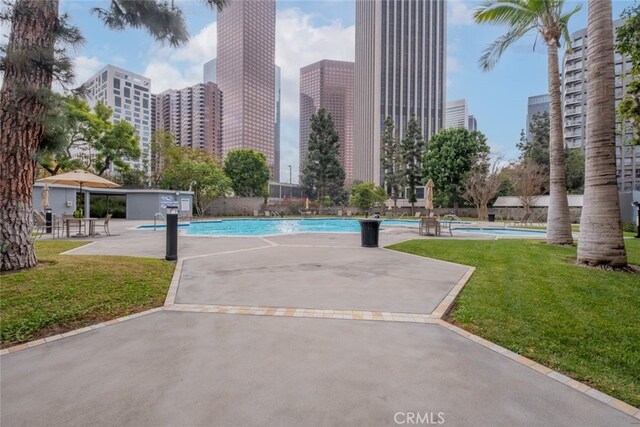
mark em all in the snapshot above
pixel 290 189
pixel 172 233
pixel 637 205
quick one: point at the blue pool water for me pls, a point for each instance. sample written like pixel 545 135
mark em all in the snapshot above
pixel 503 231
pixel 268 227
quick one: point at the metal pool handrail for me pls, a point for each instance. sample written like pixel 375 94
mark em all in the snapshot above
pixel 155 219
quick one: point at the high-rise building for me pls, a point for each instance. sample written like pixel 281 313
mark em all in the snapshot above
pixel 473 123
pixel 328 84
pixel 129 96
pixel 246 75
pixel 193 115
pixel 457 114
pixel 537 104
pixel 209 73
pixel 276 128
pixel 574 78
pixel 399 72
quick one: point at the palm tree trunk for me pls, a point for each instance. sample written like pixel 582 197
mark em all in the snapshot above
pixel 601 241
pixel 559 219
pixel 22 108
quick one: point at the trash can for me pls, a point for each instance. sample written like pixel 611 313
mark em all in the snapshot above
pixel 492 217
pixel 369 232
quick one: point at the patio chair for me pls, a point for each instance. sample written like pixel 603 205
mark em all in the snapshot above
pixel 349 213
pixel 339 213
pixel 427 224
pixel 267 213
pixel 256 213
pixel 39 225
pixel 526 219
pixel 105 225
pixel 418 214
pixel 73 225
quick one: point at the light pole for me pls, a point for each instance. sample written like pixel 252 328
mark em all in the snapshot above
pixel 290 189
pixel 637 205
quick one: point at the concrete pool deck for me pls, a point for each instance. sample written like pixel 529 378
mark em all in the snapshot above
pixel 317 331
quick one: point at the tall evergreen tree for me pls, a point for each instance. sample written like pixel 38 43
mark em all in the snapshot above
pixel 33 57
pixel 392 161
pixel 322 173
pixel 412 149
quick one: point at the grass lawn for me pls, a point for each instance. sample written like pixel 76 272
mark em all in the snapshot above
pixel 530 298
pixel 69 292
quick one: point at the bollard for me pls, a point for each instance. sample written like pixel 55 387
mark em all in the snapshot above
pixel 172 233
pixel 48 219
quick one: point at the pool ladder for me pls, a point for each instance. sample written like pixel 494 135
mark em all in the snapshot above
pixel 155 219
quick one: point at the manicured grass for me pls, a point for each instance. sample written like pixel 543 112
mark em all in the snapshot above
pixel 66 292
pixel 530 298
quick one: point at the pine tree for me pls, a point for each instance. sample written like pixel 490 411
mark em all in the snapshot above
pixel 412 150
pixel 392 162
pixel 322 173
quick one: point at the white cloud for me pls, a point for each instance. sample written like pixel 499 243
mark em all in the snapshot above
pixel 460 13
pixel 200 48
pixel 300 43
pixel 85 67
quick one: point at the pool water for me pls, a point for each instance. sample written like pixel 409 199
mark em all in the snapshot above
pixel 272 226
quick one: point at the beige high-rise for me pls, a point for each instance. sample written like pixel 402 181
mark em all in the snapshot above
pixel 328 84
pixel 399 72
pixel 193 115
pixel 246 75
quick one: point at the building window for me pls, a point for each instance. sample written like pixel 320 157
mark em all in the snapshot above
pixel 116 83
pixel 118 101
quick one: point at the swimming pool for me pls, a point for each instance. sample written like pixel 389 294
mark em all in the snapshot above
pixel 273 226
pixel 504 231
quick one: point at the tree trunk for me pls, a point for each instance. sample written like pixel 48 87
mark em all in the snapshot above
pixel 601 241
pixel 559 220
pixel 21 125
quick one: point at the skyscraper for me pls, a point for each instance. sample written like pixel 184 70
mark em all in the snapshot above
pixel 457 114
pixel 328 84
pixel 536 105
pixel 399 72
pixel 276 128
pixel 129 95
pixel 574 78
pixel 472 123
pixel 209 73
pixel 193 115
pixel 246 75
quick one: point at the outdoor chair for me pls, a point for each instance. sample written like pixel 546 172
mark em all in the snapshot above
pixel 339 213
pixel 418 214
pixel 267 213
pixel 39 225
pixel 349 213
pixel 105 225
pixel 256 213
pixel 526 219
pixel 73 225
pixel 427 224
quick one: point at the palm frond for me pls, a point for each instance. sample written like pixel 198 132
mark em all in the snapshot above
pixel 563 21
pixel 494 51
pixel 218 4
pixel 505 12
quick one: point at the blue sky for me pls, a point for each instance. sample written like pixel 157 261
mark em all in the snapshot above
pixel 310 30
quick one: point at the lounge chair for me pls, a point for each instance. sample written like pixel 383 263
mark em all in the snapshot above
pixel 418 214
pixel 339 213
pixel 349 213
pixel 267 213
pixel 526 219
pixel 256 213
pixel 304 213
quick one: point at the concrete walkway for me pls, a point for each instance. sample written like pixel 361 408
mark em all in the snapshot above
pixel 184 366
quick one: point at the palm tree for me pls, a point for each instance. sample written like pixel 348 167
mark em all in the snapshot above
pixel 548 19
pixel 601 241
pixel 33 58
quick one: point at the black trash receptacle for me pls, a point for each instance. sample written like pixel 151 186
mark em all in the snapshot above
pixel 492 217
pixel 369 231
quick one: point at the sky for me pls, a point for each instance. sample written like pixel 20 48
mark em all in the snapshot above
pixel 310 30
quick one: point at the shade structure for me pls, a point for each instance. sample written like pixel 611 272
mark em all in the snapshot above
pixel 79 178
pixel 428 195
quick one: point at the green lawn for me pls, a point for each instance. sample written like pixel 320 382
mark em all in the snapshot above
pixel 531 299
pixel 69 292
